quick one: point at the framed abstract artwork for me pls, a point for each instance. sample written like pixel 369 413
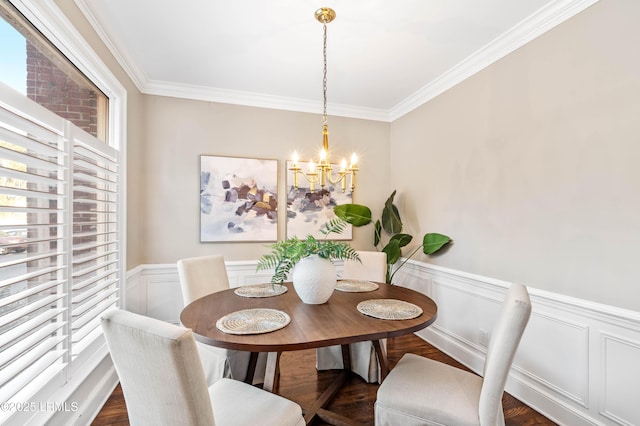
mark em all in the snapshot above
pixel 308 211
pixel 238 199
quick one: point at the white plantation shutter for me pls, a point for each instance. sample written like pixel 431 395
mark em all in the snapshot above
pixel 33 311
pixel 95 260
pixel 59 191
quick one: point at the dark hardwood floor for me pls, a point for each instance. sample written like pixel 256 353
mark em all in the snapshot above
pixel 300 382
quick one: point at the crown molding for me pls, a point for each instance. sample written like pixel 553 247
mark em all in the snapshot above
pixel 212 94
pixel 234 97
pixel 122 56
pixel 522 33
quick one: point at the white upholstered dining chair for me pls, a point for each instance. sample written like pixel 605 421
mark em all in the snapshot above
pixel 199 277
pixel 421 391
pixel 364 361
pixel 163 381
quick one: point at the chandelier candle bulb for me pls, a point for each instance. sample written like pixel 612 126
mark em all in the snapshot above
pixel 295 169
pixel 312 176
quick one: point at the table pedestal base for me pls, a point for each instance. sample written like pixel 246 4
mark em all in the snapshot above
pixel 317 409
pixel 272 380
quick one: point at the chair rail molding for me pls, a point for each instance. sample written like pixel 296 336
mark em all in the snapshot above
pixel 576 363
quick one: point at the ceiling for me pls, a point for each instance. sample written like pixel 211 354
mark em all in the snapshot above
pixel 384 58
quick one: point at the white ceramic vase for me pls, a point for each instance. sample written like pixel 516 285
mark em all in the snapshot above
pixel 314 279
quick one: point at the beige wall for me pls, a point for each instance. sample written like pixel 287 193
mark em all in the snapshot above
pixel 532 164
pixel 178 131
pixel 135 130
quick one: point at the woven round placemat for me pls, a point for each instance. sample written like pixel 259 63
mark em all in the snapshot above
pixel 253 321
pixel 261 290
pixel 356 286
pixel 389 309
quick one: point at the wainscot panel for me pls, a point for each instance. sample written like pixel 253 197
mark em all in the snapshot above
pixel 154 290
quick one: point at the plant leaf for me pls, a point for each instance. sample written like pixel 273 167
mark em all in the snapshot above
pixel 392 249
pixel 377 233
pixel 433 242
pixel 391 217
pixel 355 214
pixel 403 239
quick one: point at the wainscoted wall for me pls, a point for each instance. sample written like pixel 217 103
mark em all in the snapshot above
pixel 577 362
pixel 154 290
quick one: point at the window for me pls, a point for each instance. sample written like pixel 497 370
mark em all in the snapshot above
pixel 33 66
pixel 61 220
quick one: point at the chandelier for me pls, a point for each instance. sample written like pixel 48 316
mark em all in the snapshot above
pixel 322 172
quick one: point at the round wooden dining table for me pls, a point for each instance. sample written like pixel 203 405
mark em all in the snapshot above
pixel 336 322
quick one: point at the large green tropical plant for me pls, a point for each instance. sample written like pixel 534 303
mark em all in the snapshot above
pixel 286 253
pixel 387 234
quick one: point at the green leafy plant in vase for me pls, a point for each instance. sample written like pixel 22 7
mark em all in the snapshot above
pixel 388 236
pixel 314 257
pixel 286 253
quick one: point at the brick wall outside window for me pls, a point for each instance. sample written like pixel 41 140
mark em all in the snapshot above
pixel 49 86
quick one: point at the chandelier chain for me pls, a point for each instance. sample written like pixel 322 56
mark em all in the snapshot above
pixel 324 76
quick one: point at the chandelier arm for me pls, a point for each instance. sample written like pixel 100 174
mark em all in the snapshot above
pixel 339 177
pixel 311 177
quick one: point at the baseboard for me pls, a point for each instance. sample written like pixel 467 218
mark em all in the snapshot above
pixel 90 397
